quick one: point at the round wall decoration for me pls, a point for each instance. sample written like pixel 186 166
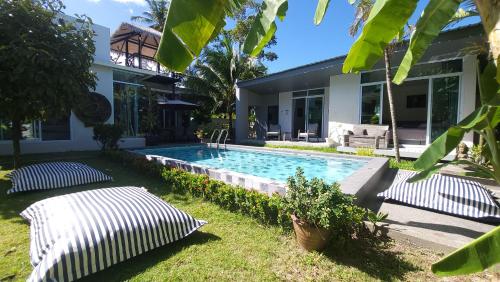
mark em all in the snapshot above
pixel 92 109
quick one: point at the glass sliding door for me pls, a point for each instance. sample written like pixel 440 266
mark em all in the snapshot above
pixel 444 114
pixel 315 115
pixel 371 104
pixel 299 116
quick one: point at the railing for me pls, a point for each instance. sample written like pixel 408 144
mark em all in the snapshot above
pixel 225 137
pixel 222 132
pixel 212 137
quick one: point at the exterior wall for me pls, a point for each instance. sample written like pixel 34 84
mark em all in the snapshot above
pixel 468 91
pixel 241 123
pixel 343 104
pixel 81 137
pixel 285 111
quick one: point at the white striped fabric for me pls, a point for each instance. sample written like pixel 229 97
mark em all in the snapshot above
pixel 81 233
pixel 452 195
pixel 54 175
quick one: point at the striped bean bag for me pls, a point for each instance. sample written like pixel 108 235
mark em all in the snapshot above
pixel 78 234
pixel 54 175
pixel 451 195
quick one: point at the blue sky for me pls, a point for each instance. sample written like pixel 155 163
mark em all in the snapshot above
pixel 299 40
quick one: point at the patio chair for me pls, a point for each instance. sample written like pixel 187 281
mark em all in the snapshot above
pixel 312 132
pixel 274 131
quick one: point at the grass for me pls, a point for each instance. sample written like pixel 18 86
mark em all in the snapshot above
pixel 230 247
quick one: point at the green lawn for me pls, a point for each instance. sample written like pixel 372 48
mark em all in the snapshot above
pixel 231 247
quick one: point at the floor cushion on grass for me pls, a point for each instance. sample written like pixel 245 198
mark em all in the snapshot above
pixel 78 234
pixel 452 195
pixel 54 175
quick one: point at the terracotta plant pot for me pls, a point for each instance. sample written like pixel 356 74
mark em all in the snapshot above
pixel 310 237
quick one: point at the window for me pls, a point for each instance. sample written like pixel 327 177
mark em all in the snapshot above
pixel 56 129
pixel 51 129
pixel 126 107
pixel 370 104
pixel 272 115
pixel 417 70
pixel 416 101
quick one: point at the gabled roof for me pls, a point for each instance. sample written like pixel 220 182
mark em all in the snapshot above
pixel 450 44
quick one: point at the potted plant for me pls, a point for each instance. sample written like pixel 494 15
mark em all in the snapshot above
pixel 200 134
pixel 318 210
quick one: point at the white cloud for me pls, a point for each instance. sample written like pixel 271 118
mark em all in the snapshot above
pixel 131 11
pixel 94 1
pixel 137 2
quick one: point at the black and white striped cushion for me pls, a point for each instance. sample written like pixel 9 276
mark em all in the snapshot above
pixel 54 175
pixel 81 233
pixel 452 195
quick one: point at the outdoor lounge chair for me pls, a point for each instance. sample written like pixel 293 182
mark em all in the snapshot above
pixel 53 175
pixel 312 132
pixel 274 132
pixel 446 194
pixel 367 135
pixel 99 228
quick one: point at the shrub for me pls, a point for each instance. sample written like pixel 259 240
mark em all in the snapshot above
pixel 108 136
pixel 266 209
pixel 403 164
pixel 321 204
pixel 368 152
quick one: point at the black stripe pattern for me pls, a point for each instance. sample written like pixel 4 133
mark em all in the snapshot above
pixel 78 234
pixel 54 175
pixel 451 195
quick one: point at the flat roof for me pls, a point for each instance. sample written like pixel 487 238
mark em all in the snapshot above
pixel 317 74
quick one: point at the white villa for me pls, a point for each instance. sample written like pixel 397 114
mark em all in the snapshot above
pixel 439 92
pixel 124 64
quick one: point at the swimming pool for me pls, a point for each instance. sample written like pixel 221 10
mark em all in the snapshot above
pixel 274 165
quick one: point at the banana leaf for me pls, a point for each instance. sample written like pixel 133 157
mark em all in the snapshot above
pixel 320 11
pixel 473 257
pixel 189 26
pixel 384 23
pixel 264 27
pixel 434 18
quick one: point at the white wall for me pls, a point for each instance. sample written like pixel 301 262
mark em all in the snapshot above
pixel 343 104
pixel 468 93
pixel 285 111
pixel 81 137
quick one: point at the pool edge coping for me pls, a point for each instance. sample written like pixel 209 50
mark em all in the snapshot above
pixel 359 183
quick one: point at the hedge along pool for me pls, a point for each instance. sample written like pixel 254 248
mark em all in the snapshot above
pixel 266 170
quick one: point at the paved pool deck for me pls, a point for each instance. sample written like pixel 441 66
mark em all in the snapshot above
pixel 426 228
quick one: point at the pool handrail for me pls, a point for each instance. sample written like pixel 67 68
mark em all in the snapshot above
pixel 212 137
pixel 225 138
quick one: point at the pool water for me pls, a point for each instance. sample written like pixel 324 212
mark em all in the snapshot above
pixel 272 165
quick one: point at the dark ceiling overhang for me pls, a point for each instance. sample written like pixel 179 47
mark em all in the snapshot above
pixel 452 44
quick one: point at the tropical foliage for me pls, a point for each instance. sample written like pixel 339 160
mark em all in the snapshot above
pixel 156 15
pixel 322 205
pixel 45 62
pixel 218 69
pixel 387 18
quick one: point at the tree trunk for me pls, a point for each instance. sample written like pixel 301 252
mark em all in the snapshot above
pixel 388 77
pixel 489 10
pixel 16 139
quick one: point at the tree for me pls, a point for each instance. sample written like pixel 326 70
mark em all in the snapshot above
pixel 218 69
pixel 45 63
pixel 363 9
pixel 156 16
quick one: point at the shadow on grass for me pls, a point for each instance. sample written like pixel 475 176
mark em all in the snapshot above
pixel 372 255
pixel 132 267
